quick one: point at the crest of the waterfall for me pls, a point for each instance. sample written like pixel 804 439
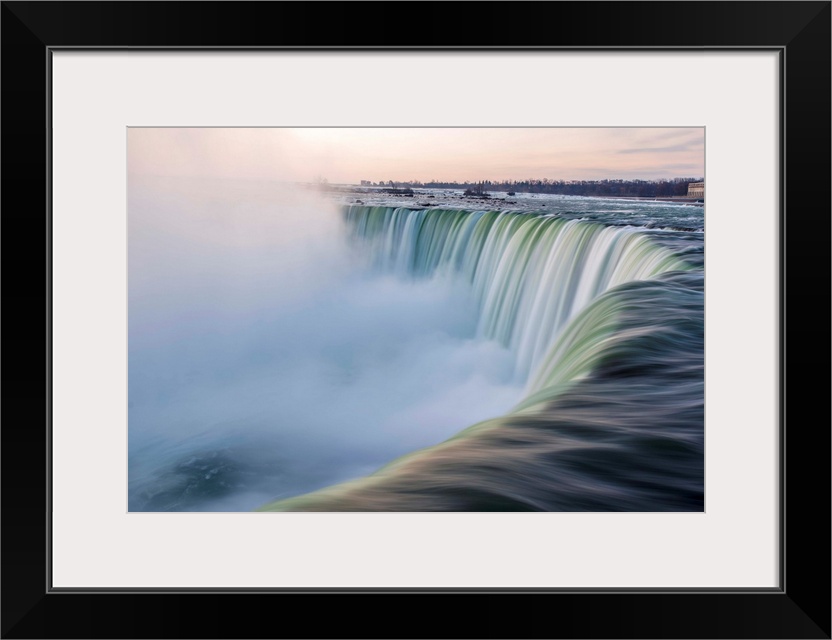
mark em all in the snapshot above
pixel 530 273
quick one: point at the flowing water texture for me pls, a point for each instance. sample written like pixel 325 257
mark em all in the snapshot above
pixel 398 358
pixel 605 327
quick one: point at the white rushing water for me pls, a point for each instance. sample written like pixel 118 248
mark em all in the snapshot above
pixel 530 274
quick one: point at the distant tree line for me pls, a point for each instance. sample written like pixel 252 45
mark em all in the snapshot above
pixel 628 188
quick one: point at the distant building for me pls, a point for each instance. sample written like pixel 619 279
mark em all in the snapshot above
pixel 696 190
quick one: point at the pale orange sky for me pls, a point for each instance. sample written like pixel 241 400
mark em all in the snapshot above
pixel 348 155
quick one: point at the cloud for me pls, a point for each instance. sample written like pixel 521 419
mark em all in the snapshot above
pixel 676 148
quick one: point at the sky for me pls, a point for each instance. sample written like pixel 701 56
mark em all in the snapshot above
pixel 349 155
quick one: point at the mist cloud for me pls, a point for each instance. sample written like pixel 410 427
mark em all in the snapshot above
pixel 262 350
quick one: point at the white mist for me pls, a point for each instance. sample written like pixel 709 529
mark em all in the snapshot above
pixel 267 360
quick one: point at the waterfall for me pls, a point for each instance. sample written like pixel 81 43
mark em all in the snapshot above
pixel 531 273
pixel 606 328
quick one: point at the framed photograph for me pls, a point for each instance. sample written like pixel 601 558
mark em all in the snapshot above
pixel 304 339
pixel 294 313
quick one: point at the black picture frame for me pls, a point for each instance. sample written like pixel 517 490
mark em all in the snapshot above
pixel 799 608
